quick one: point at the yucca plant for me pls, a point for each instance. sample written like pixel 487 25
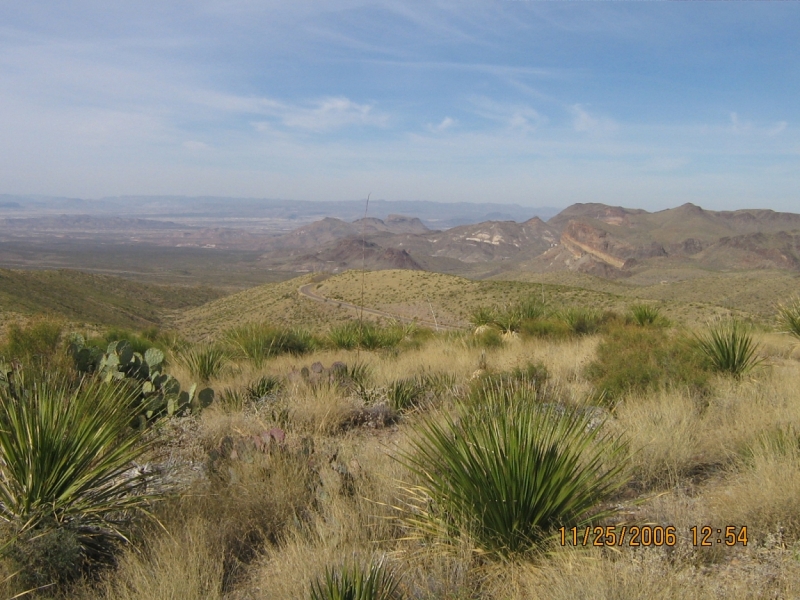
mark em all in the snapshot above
pixel 729 347
pixel 508 320
pixel 204 362
pixel 789 315
pixel 482 316
pixel 645 314
pixel 65 463
pixel 263 387
pixel 355 582
pixel 580 320
pixel 508 471
pixel 344 337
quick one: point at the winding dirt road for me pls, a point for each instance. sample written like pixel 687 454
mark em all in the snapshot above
pixel 306 291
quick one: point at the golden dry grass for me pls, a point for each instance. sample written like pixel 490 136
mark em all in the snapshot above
pixel 265 527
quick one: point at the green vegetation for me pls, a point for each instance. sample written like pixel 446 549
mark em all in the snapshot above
pixel 258 342
pixel 204 361
pixel 729 347
pixel 355 582
pixel 80 297
pixel 645 314
pixel 557 468
pixel 157 393
pixel 789 317
pixel 633 359
pixel 366 335
pixel 36 343
pixel 66 488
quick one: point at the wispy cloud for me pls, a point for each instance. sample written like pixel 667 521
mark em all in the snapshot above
pixel 585 122
pixel 521 117
pixel 446 123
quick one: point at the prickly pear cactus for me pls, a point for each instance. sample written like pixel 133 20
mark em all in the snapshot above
pixel 160 394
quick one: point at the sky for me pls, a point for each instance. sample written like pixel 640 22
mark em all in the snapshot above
pixel 639 104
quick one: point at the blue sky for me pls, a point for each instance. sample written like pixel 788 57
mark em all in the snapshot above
pixel 643 104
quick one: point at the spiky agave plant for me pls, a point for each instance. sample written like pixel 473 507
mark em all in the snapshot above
pixel 729 347
pixel 789 316
pixel 65 460
pixel 356 582
pixel 205 361
pixel 645 314
pixel 508 471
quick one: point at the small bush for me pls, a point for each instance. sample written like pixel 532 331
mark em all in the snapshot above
pixel 530 309
pixel 204 362
pixel 37 342
pixel 258 342
pixel 729 347
pixel 636 359
pixel 789 317
pixel 546 328
pixel 581 321
pixel 355 582
pixel 509 471
pixel 645 314
pixel 485 338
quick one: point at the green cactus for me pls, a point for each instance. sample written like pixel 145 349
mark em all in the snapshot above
pixel 159 393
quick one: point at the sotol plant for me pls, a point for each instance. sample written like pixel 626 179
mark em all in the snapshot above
pixel 66 462
pixel 509 471
pixel 729 347
pixel 789 316
pixel 355 582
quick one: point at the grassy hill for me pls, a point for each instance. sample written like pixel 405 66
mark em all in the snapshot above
pixel 97 299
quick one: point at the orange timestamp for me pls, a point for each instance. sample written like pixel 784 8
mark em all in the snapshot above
pixel 650 535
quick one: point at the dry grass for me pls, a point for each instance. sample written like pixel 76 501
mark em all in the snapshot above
pixel 267 524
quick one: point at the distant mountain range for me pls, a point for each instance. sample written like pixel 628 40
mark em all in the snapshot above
pixel 609 241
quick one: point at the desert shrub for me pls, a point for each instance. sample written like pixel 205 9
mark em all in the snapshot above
pixel 508 471
pixel 522 384
pixel 344 337
pixel 530 309
pixel 789 317
pixel 581 321
pixel 356 582
pixel 205 361
pixel 373 337
pixel 729 348
pixel 36 342
pixel 546 328
pixel 365 335
pixel 263 387
pixel 404 394
pixel 645 314
pixel 258 342
pixel 637 359
pixel 485 337
pixel 67 491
